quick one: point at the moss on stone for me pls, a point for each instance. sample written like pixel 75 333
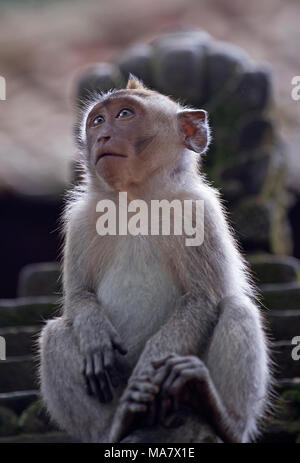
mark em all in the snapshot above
pixel 34 419
pixel 8 422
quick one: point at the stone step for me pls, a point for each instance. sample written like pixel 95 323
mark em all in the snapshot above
pixel 47 438
pixel 27 310
pixel 284 324
pixel 288 384
pixel 18 401
pixel 279 432
pixel 33 419
pixel 285 366
pixel 20 340
pixel 268 268
pixel 288 400
pixel 9 422
pixel 285 296
pixel 18 374
pixel 42 279
pixel 284 425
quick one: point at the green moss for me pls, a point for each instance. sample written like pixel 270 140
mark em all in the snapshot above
pixel 8 422
pixel 34 419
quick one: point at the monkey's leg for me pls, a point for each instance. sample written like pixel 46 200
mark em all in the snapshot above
pixel 229 387
pixel 237 360
pixel 63 386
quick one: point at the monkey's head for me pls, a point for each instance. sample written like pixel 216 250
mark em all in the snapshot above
pixel 129 135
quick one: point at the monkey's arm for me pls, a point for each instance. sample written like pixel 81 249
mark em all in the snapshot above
pixel 202 272
pixel 97 338
pixel 183 334
pixel 186 332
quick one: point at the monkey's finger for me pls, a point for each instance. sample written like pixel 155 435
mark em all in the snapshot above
pixel 117 433
pixel 179 360
pixel 109 366
pixel 134 407
pixel 132 393
pixel 165 387
pixel 86 380
pixel 141 397
pixel 187 362
pixel 176 369
pixel 92 382
pixel 118 344
pixel 175 389
pixel 158 363
pixel 122 424
pixel 161 374
pixel 174 363
pixel 87 374
pixel 144 386
pixel 127 417
pixel 146 377
pixel 184 370
pixel 101 378
pixel 125 420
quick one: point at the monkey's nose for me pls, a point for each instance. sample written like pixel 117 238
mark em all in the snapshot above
pixel 104 138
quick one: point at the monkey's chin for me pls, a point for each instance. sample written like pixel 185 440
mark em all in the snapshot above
pixel 111 173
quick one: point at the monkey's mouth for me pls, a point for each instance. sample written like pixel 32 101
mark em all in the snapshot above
pixel 116 155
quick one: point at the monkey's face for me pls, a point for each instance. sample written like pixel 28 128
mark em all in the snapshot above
pixel 129 138
pixel 133 133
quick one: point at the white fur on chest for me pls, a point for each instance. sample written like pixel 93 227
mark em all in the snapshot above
pixel 138 295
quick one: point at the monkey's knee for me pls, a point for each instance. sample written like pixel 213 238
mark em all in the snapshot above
pixel 59 368
pixel 235 306
pixel 60 359
pixel 63 387
pixel 57 344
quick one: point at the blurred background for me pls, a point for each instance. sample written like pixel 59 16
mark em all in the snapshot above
pixel 237 60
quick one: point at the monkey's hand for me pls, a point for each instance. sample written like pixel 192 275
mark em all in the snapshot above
pixel 186 380
pixel 180 379
pixel 133 410
pixel 99 362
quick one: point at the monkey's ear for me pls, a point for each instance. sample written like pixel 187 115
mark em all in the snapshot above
pixel 195 130
pixel 134 83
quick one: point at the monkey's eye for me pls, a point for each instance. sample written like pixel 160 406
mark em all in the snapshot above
pixel 125 112
pixel 98 120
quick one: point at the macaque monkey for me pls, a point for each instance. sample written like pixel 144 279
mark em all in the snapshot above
pixel 158 341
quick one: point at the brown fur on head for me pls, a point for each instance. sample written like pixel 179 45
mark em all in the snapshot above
pixel 134 83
